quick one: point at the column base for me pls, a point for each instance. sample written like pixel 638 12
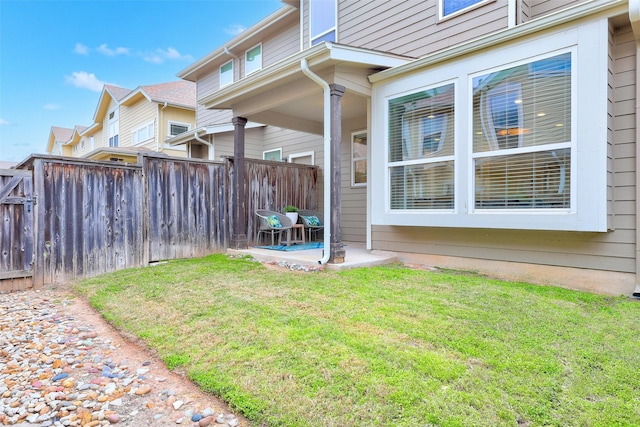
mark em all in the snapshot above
pixel 239 241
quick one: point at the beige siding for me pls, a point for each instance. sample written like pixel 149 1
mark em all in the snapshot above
pixel 282 45
pixel 611 251
pixel 412 27
pixel 133 117
pixel 178 115
pixel 223 143
pixel 540 8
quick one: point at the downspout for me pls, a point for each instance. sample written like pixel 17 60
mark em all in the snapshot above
pixel 158 127
pixel 205 142
pixel 634 17
pixel 327 156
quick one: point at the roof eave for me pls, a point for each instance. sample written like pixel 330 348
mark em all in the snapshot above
pixel 189 72
pixel 323 53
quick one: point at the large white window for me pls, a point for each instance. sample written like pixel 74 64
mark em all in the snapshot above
pixel 454 7
pixel 522 135
pixel 226 73
pixel 253 60
pixel 514 137
pixel 421 149
pixel 322 21
pixel 142 134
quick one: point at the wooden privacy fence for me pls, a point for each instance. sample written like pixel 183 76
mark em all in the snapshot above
pixel 95 217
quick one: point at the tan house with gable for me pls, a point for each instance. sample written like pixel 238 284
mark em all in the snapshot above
pixel 129 121
pixel 489 135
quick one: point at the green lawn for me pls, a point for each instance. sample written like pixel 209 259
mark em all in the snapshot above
pixel 387 346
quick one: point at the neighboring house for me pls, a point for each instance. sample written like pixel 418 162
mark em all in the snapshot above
pixel 489 135
pixel 58 141
pixel 127 122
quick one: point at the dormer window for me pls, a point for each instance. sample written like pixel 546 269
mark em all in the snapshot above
pixel 226 74
pixel 322 21
pixel 253 60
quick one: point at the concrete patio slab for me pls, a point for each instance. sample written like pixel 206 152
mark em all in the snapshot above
pixel 356 256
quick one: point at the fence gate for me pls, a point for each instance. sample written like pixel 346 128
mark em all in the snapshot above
pixel 16 229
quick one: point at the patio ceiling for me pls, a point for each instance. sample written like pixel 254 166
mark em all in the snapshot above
pixel 281 95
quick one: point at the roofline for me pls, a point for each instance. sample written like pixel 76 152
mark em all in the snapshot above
pixel 315 55
pixel 187 136
pixel 247 34
pixel 141 90
pixel 90 128
pixel 573 13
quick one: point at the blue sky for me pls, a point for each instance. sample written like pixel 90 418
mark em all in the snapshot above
pixel 56 55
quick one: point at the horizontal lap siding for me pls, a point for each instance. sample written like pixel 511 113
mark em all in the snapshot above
pixel 132 117
pixel 353 221
pixel 282 45
pixel 540 8
pixel 610 251
pixel 412 27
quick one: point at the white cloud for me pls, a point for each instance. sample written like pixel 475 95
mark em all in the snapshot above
pixel 105 50
pixel 235 29
pixel 160 55
pixel 4 122
pixel 84 80
pixel 52 107
pixel 81 49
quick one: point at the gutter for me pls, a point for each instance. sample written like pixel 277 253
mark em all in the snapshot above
pixel 634 17
pixel 327 156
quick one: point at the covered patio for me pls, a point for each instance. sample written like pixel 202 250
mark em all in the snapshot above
pixel 323 90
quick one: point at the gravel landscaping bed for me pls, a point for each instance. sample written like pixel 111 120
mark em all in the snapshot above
pixel 61 364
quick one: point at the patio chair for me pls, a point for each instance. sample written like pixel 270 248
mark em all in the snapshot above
pixel 313 221
pixel 273 223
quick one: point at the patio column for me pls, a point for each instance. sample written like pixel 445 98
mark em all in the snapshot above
pixel 239 232
pixel 337 252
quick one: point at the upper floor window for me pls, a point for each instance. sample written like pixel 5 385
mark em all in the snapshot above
pixel 143 133
pixel 113 127
pixel 253 60
pixel 273 155
pixel 176 128
pixel 226 73
pixel 322 21
pixel 452 7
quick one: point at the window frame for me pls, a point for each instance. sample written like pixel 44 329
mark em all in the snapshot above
pixel 246 61
pixel 423 160
pixel 441 8
pixel 588 44
pixel 113 127
pixel 173 122
pixel 220 74
pixel 315 38
pixel 356 159
pixel 266 152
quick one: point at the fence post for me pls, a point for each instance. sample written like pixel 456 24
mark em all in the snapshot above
pixel 239 234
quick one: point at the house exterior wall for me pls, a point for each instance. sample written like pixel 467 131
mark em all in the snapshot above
pixel 134 116
pixel 412 28
pixel 611 253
